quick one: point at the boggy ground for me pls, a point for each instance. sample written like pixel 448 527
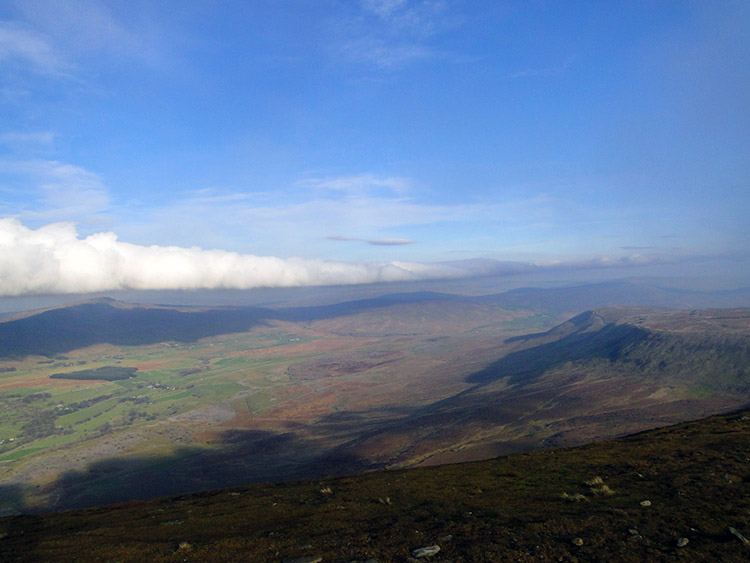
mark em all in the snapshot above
pixel 680 493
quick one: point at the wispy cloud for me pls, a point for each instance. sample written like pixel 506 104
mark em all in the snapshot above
pixel 358 184
pixel 73 190
pixel 15 139
pixel 384 54
pixel 83 28
pixel 419 18
pixel 22 49
pixel 392 34
pixel 297 220
pixel 62 191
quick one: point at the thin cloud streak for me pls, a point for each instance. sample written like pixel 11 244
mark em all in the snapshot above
pixel 376 242
pixel 14 139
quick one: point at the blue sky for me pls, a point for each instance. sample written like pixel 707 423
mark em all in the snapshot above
pixel 368 140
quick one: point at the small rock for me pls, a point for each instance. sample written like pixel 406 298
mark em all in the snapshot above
pixel 427 551
pixel 309 559
pixel 645 503
pixel 633 532
pixel 577 541
pixel 682 542
pixel 738 535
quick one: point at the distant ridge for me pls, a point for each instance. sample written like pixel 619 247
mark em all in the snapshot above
pixel 61 329
pixel 105 320
pixel 577 298
pixel 602 373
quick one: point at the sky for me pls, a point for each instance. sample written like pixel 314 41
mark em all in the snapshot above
pixel 191 144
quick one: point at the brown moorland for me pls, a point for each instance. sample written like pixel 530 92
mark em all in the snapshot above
pixel 679 493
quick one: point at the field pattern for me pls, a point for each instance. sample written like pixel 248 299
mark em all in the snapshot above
pixel 387 383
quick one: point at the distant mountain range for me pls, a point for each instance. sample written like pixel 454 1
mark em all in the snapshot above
pixel 59 329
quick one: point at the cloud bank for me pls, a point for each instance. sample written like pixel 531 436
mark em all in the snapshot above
pixel 53 259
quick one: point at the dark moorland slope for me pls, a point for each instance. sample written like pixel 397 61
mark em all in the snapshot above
pixel 680 493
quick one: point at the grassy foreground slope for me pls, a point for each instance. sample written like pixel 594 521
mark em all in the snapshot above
pixel 578 504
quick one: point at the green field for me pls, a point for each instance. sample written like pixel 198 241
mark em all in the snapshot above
pixel 116 391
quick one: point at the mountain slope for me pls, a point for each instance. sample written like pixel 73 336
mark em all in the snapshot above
pixel 601 374
pixel 393 383
pixel 677 493
pixel 67 328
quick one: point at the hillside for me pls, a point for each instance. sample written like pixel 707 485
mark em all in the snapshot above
pixel 57 330
pixel 680 493
pixel 603 373
pixel 390 382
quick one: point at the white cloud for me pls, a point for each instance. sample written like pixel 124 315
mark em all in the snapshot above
pixel 54 259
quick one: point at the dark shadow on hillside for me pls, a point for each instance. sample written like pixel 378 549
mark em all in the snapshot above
pixel 609 342
pixel 317 313
pixel 104 321
pixel 61 330
pixel 12 500
pixel 242 457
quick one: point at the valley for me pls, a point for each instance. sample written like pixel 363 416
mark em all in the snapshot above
pixel 205 398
